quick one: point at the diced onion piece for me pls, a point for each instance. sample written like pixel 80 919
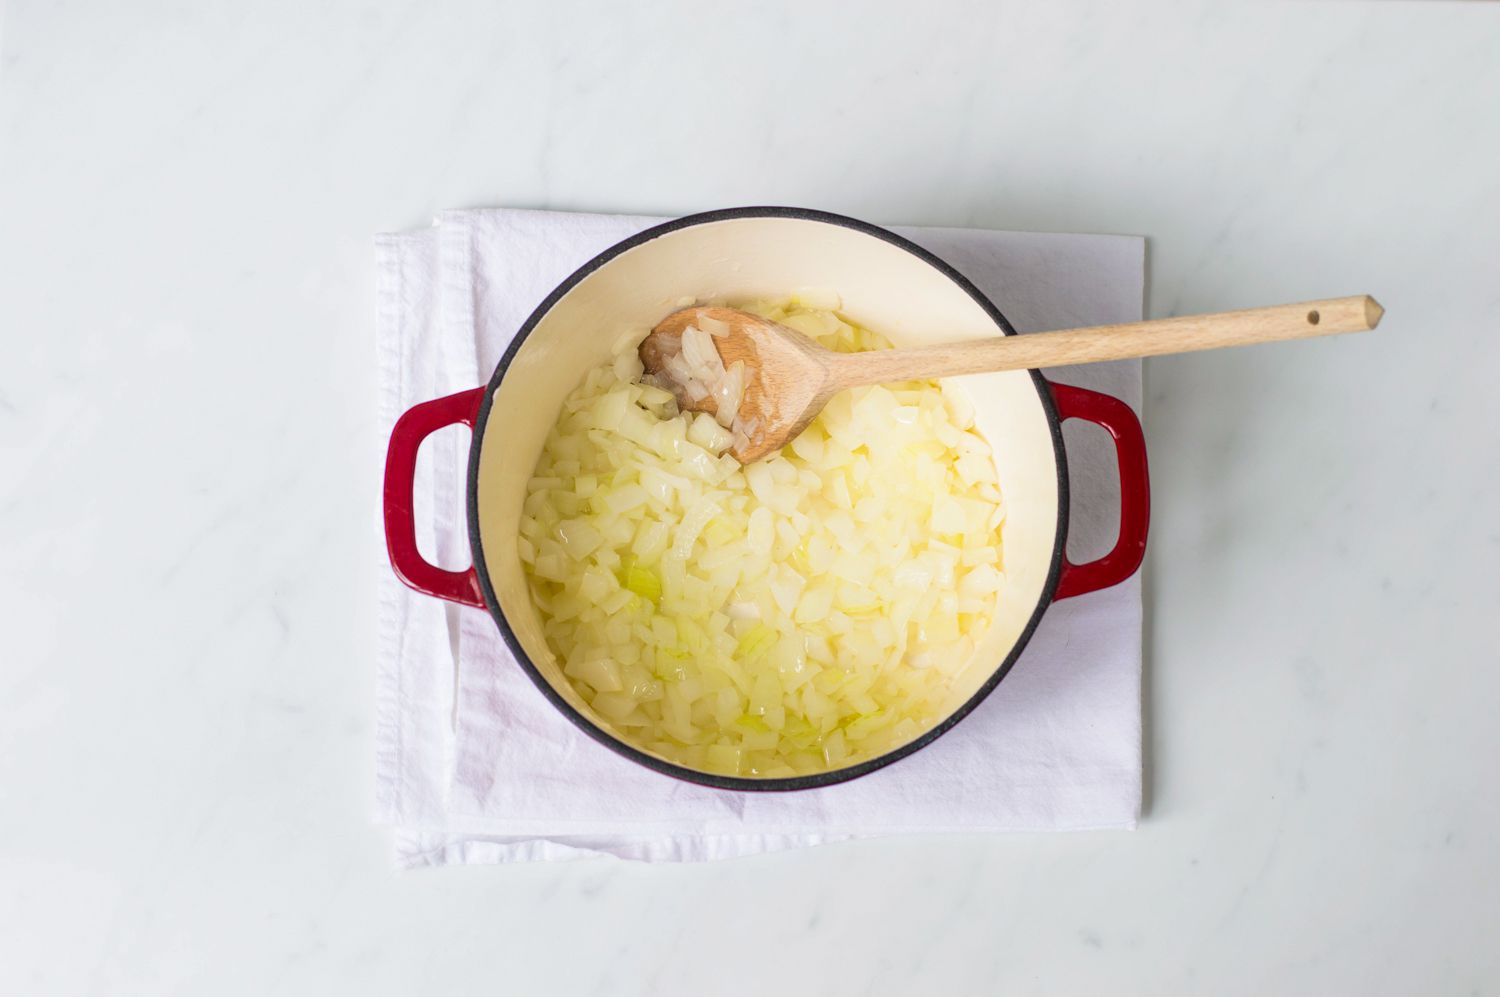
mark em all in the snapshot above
pixel 643 582
pixel 714 327
pixel 602 674
pixel 743 610
pixel 615 705
pixel 708 434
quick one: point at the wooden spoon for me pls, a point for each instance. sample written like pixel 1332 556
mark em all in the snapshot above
pixel 789 378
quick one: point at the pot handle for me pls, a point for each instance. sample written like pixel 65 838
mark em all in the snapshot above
pixel 418 423
pixel 1116 418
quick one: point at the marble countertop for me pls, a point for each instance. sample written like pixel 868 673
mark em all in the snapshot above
pixel 187 196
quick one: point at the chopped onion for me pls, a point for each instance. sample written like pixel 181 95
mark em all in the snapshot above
pixel 696 371
pixel 743 610
pixel 713 326
pixel 786 616
pixel 728 392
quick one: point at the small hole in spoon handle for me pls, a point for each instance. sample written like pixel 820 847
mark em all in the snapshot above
pixel 1312 317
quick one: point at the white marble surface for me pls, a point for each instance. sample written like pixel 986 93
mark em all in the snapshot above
pixel 187 193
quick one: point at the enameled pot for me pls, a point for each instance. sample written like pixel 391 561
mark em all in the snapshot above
pixel 885 283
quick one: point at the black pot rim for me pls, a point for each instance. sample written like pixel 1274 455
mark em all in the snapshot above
pixel 740 783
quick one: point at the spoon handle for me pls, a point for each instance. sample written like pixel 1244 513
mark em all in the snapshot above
pixel 1109 342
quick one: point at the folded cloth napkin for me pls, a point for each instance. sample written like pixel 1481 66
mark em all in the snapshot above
pixel 473 765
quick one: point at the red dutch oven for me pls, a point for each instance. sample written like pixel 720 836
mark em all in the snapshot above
pixel 884 282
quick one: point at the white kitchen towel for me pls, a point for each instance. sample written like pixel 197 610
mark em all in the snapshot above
pixel 474 765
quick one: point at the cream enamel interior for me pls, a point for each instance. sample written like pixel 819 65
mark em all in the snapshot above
pixel 882 286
